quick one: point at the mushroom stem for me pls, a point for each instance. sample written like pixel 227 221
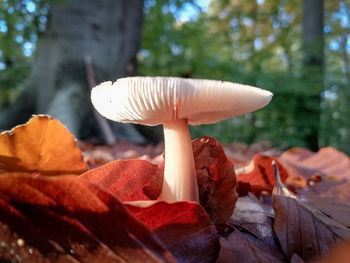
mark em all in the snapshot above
pixel 180 181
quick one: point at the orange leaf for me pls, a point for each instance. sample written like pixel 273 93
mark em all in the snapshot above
pixel 183 227
pixel 262 177
pixel 64 219
pixel 42 145
pixel 338 254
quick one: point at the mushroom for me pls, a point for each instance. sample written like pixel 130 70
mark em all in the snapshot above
pixel 175 103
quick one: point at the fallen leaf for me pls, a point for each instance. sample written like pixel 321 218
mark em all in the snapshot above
pixel 327 162
pixel 331 197
pixel 301 228
pixel 42 145
pixel 338 254
pixel 97 155
pixel 216 179
pixel 132 180
pixel 260 174
pixel 297 154
pixel 183 227
pixel 255 217
pixel 129 180
pixel 63 219
pixel 243 188
pixel 296 259
pixel 322 179
pixel 332 162
pixel 237 247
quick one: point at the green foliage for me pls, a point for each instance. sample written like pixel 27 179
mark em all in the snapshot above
pixel 252 42
pixel 21 22
pixel 257 43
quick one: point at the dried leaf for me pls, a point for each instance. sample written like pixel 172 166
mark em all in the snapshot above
pixel 216 179
pixel 63 219
pixel 237 247
pixel 331 197
pixel 331 192
pixel 183 227
pixel 129 180
pixel 338 254
pixel 42 145
pixel 328 162
pixel 333 163
pixel 296 259
pixel 243 188
pixel 254 217
pixel 133 180
pixel 260 175
pixel 301 228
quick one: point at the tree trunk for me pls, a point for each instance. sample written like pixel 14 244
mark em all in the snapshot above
pixel 108 31
pixel 309 101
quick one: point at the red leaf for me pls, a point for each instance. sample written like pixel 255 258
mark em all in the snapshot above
pixel 63 219
pixel 42 145
pixel 133 180
pixel 129 180
pixel 184 228
pixel 216 179
pixel 261 175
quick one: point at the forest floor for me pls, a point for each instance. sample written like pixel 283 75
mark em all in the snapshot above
pixel 256 203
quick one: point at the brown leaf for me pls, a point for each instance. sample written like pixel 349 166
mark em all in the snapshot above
pixel 303 164
pixel 239 248
pixel 63 219
pixel 216 179
pixel 129 180
pixel 183 227
pixel 42 145
pixel 333 163
pixel 302 229
pixel 296 259
pixel 254 217
pixel 255 220
pixel 331 192
pixel 331 197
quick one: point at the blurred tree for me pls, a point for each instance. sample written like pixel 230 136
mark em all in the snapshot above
pixel 109 32
pixel 313 44
pixel 335 107
pixel 20 24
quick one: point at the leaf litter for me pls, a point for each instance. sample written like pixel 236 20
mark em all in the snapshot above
pixel 48 214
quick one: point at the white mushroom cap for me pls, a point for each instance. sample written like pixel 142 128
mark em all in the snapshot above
pixel 155 100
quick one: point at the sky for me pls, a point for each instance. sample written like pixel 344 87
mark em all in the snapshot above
pixel 189 12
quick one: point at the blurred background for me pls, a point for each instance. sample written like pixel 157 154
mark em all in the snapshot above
pixel 52 52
